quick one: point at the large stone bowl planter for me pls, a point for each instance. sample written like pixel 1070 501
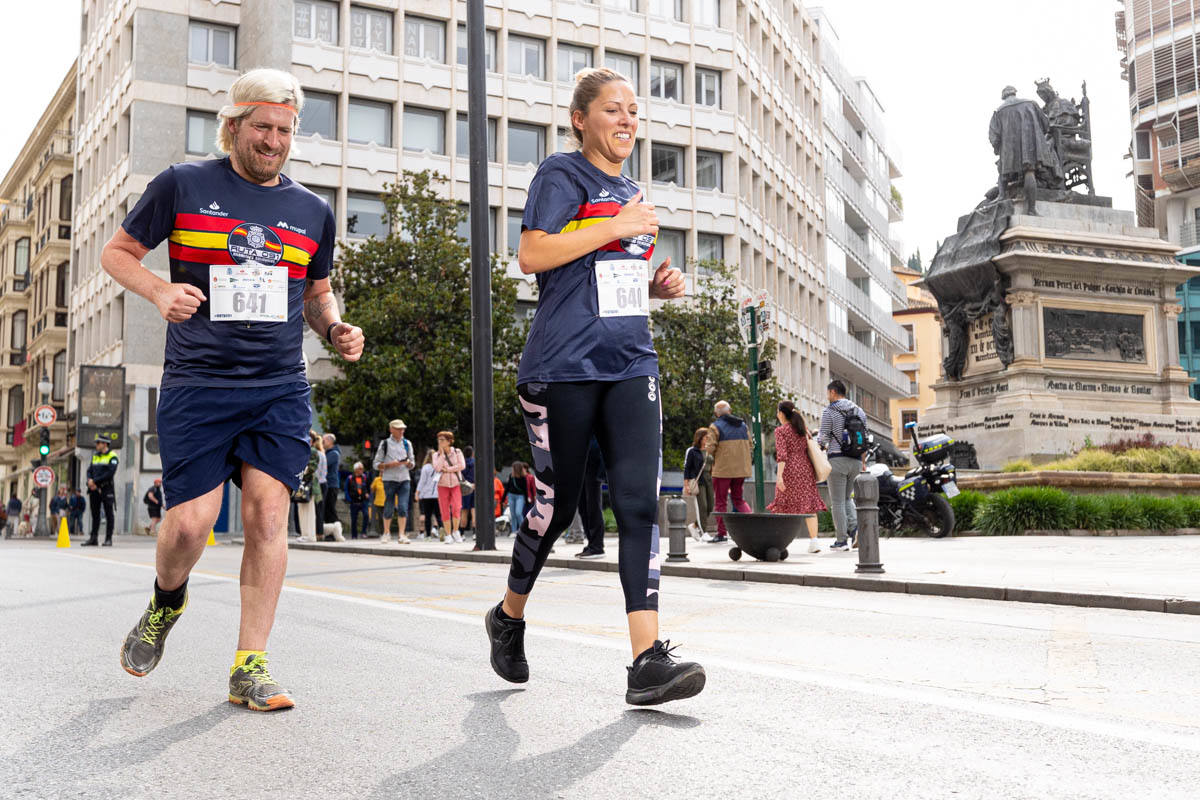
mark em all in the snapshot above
pixel 764 536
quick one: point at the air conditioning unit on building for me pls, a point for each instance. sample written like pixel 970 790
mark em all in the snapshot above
pixel 151 459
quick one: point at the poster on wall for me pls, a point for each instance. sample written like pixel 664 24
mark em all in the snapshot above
pixel 1094 335
pixel 101 405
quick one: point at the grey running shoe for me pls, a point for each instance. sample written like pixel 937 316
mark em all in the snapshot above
pixel 250 683
pixel 143 646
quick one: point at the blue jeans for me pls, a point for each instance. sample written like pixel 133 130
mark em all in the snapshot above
pixel 396 495
pixel 516 511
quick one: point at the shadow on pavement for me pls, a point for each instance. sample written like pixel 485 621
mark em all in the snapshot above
pixel 485 767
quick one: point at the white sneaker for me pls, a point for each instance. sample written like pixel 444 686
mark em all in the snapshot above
pixel 458 537
pixel 308 538
pixel 697 534
pixel 813 547
pixel 403 540
pixel 385 539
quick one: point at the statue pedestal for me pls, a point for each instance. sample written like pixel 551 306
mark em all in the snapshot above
pixel 1093 314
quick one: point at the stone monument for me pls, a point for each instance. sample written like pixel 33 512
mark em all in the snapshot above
pixel 1058 312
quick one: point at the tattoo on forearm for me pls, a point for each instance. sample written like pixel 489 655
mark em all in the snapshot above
pixel 315 308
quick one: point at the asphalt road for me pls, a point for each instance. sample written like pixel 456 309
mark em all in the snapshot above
pixel 812 693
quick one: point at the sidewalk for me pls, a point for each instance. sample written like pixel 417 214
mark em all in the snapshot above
pixel 1139 573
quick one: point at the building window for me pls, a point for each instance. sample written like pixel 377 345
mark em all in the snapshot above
pixel 911 340
pixel 666 81
pixel 489 48
pixel 201 133
pixel 670 244
pixel 571 59
pixel 907 415
pixel 315 19
pixel 464 226
pixel 462 138
pixel 710 247
pixel 17 338
pixel 526 56
pixel 672 9
pixel 623 5
pixel 706 12
pixel 708 170
pixel 370 121
pixel 526 143
pixel 16 405
pixel 61 277
pixel 1141 141
pixel 513 229
pixel 59 377
pixel 326 194
pixel 666 164
pixel 365 215
pixel 210 44
pixel 708 87
pixel 21 256
pixel 371 29
pixel 319 116
pixel 624 64
pixel 424 129
pixel 425 38
pixel 65 197
pixel 632 167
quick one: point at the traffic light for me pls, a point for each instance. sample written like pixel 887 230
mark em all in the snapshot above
pixel 44 447
pixel 765 370
pixel 367 444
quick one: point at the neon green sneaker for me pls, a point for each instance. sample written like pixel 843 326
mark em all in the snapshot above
pixel 250 683
pixel 143 646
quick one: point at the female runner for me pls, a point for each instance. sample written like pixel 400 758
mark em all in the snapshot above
pixel 589 368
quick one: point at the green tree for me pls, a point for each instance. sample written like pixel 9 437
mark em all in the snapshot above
pixel 702 360
pixel 914 262
pixel 410 294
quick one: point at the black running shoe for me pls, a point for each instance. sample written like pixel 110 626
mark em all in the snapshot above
pixel 144 645
pixel 655 677
pixel 508 646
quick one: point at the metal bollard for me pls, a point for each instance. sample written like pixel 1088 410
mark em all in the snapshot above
pixel 866 502
pixel 677 528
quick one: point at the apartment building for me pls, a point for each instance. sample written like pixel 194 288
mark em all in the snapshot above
pixel 921 361
pixel 1157 42
pixel 729 148
pixel 35 234
pixel 861 205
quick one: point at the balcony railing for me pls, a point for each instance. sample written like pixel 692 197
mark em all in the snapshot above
pixel 857 196
pixel 869 361
pixel 1188 235
pixel 861 303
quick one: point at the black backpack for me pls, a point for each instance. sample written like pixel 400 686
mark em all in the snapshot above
pixel 856 439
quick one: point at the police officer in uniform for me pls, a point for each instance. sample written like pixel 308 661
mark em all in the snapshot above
pixel 100 491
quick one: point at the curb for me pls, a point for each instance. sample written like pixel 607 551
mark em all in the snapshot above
pixel 1168 605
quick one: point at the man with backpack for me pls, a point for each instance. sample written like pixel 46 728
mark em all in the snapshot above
pixel 846 438
pixel 393 460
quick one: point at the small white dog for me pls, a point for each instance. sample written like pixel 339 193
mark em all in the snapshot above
pixel 334 529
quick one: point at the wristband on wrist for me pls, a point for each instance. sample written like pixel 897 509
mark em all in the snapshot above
pixel 330 330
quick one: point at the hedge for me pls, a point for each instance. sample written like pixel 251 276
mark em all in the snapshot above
pixel 1158 460
pixel 1014 511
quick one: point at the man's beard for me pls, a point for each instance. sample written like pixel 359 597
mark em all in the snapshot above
pixel 248 159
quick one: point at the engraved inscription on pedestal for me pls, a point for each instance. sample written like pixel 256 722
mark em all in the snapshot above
pixel 1094 335
pixel 981 347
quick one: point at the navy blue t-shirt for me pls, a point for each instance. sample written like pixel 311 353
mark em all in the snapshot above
pixel 569 340
pixel 214 217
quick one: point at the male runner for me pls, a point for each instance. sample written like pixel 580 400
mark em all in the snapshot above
pixel 250 252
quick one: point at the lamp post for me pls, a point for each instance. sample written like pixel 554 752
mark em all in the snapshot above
pixel 44 387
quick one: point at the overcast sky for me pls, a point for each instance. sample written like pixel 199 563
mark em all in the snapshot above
pixel 936 65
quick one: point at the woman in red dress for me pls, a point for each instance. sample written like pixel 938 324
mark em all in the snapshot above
pixel 795 478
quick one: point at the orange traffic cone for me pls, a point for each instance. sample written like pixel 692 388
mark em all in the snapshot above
pixel 64 535
pixel 212 538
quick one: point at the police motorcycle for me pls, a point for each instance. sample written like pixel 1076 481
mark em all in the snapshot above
pixel 920 499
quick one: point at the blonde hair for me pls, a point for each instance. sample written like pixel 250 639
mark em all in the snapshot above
pixel 588 83
pixel 257 86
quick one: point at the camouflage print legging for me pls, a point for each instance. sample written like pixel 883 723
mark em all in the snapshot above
pixel 625 417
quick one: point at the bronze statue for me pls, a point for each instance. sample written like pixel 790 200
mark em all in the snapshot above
pixel 1070 134
pixel 1020 136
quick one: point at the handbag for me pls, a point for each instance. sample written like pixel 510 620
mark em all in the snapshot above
pixel 467 487
pixel 820 461
pixel 691 486
pixel 302 493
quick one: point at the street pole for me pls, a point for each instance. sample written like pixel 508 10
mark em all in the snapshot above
pixel 760 504
pixel 481 280
pixel 42 529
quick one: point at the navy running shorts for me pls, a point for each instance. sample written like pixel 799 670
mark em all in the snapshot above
pixel 206 433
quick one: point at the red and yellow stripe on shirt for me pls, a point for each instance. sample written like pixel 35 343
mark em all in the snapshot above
pixel 205 240
pixel 591 213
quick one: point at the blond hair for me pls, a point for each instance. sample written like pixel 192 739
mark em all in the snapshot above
pixel 588 83
pixel 257 86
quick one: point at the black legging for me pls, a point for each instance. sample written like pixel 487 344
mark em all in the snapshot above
pixel 430 508
pixel 561 419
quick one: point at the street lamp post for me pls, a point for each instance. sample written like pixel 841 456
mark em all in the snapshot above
pixel 44 387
